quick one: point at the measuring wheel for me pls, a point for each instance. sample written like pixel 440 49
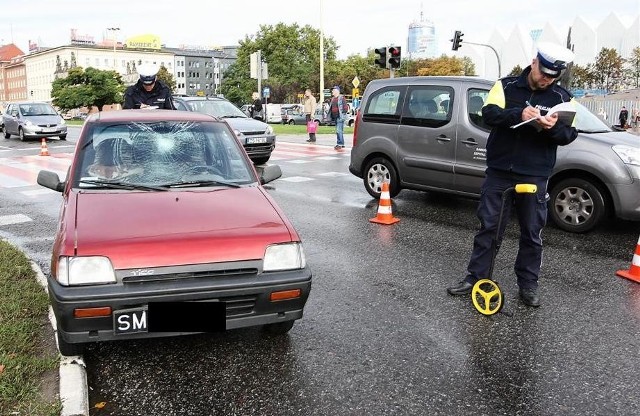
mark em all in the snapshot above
pixel 487 297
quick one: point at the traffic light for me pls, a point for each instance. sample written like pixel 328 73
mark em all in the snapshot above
pixel 381 58
pixel 395 55
pixel 457 40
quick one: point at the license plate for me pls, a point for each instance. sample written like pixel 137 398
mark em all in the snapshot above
pixel 254 140
pixel 130 321
pixel 48 130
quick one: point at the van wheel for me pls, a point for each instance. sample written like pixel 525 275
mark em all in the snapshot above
pixel 576 205
pixel 377 171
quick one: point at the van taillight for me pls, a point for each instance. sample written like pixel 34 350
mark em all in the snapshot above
pixel 355 129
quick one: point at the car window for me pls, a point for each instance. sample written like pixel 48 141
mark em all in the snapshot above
pixel 37 109
pixel 475 101
pixel 218 108
pixel 385 104
pixel 424 106
pixel 160 153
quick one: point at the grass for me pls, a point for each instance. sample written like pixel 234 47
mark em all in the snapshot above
pixel 26 359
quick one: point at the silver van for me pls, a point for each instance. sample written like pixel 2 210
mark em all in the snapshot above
pixel 427 133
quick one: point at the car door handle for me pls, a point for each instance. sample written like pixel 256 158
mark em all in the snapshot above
pixel 470 142
pixel 443 138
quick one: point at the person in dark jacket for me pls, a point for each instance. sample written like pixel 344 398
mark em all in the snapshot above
pixel 525 154
pixel 149 91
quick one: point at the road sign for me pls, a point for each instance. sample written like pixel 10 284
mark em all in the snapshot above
pixel 355 81
pixel 266 92
pixel 326 92
pixel 355 93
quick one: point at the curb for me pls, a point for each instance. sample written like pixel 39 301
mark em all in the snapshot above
pixel 73 389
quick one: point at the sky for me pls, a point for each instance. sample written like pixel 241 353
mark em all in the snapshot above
pixel 355 25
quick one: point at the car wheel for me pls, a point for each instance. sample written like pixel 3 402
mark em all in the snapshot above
pixel 67 348
pixel 291 122
pixel 576 205
pixel 280 328
pixel 6 134
pixel 377 171
pixel 21 134
pixel 260 160
pixel 63 137
pixel 350 123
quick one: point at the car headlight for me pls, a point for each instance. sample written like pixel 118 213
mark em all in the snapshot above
pixel 85 271
pixel 289 256
pixel 269 129
pixel 629 155
pixel 238 133
pixel 62 122
pixel 28 123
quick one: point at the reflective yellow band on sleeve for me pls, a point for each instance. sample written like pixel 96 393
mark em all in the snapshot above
pixel 496 95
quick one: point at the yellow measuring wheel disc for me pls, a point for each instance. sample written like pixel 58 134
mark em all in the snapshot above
pixel 487 297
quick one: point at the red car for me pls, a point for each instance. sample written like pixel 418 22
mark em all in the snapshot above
pixel 165 229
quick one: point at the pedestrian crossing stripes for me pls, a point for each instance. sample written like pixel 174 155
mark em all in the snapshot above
pixel 22 171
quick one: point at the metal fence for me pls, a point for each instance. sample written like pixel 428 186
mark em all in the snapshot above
pixel 611 107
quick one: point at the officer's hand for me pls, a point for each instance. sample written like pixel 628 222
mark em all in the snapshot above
pixel 530 112
pixel 546 122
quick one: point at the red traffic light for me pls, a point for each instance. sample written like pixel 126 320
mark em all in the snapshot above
pixel 395 55
pixel 394 51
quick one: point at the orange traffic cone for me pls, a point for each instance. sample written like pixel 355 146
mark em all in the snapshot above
pixel 634 271
pixel 44 150
pixel 384 215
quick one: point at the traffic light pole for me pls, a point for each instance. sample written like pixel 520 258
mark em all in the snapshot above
pixel 494 51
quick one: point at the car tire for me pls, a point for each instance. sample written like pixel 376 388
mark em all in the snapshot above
pixel 68 349
pixel 279 328
pixel 261 160
pixel 377 171
pixel 291 122
pixel 6 134
pixel 576 205
pixel 350 123
pixel 63 137
pixel 21 134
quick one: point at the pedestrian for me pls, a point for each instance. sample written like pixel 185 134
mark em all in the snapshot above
pixel 526 154
pixel 338 109
pixel 255 110
pixel 622 117
pixel 149 91
pixel 310 104
pixel 635 118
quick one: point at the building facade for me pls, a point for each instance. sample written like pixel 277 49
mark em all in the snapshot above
pixel 422 41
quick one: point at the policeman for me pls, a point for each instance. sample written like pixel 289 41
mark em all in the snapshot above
pixel 520 154
pixel 149 91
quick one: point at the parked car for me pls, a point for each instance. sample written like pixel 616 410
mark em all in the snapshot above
pixel 165 229
pixel 322 119
pixel 427 133
pixel 33 120
pixel 294 115
pixel 257 137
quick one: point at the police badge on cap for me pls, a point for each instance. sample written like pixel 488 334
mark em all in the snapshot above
pixel 553 58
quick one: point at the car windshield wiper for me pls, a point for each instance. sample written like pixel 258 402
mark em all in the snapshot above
pixel 232 116
pixel 195 184
pixel 122 185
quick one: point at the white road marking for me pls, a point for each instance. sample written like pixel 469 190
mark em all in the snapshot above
pixel 14 219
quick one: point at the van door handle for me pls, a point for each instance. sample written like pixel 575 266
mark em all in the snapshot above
pixel 443 138
pixel 470 142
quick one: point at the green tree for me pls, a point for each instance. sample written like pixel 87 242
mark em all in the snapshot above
pixel 581 77
pixel 444 65
pixel 292 55
pixel 608 69
pixel 515 71
pixel 634 67
pixel 165 76
pixel 86 88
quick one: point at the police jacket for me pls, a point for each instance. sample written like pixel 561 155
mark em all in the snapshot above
pixel 159 96
pixel 523 150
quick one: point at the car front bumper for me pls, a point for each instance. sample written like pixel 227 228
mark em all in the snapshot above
pixel 246 298
pixel 37 131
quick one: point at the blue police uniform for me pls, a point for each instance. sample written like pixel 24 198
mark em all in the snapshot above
pixel 525 154
pixel 160 95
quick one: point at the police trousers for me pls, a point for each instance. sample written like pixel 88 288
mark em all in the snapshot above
pixel 531 211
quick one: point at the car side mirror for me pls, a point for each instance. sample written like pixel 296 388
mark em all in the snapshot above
pixel 50 180
pixel 269 173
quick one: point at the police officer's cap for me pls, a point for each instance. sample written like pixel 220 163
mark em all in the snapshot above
pixel 148 73
pixel 553 58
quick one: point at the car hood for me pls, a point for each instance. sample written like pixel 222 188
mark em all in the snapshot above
pixel 247 124
pixel 610 138
pixel 145 229
pixel 43 119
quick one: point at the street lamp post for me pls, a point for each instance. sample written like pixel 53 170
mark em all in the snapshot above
pixel 115 41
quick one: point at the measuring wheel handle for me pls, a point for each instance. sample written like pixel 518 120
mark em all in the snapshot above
pixel 487 297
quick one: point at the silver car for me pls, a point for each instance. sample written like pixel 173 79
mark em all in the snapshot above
pixel 33 120
pixel 427 133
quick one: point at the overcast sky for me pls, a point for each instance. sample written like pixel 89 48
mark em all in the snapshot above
pixel 355 25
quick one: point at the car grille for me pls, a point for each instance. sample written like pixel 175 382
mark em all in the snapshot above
pixel 207 274
pixel 239 305
pixel 258 148
pixel 254 133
